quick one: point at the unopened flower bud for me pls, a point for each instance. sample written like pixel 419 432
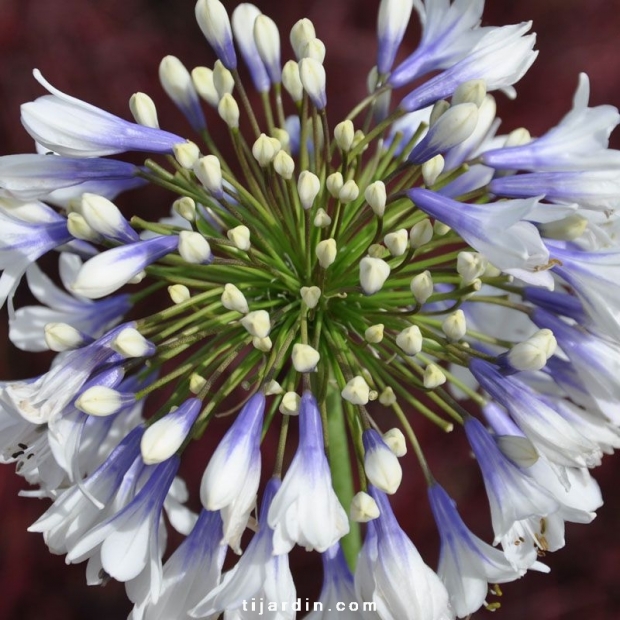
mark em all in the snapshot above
pixel 533 353
pixel 387 398
pixel 233 299
pixel 422 286
pixel 410 340
pixel 257 323
pixel 421 233
pixel 106 219
pixel 321 219
pixel 228 110
pixel 143 110
pixel 397 242
pixel 315 48
pixel 432 168
pixel 209 172
pixel 291 81
pixel 356 391
pixel 186 153
pixel 62 337
pixel 223 80
pixel 440 229
pixel 454 325
pixel 343 133
pixel 380 464
pixel 518 137
pixel 348 192
pixel 326 252
pixel 376 197
pixel 439 108
pixel 334 183
pixel 202 77
pixel 363 508
pixel 566 229
pixel 305 358
pixel 310 295
pixel 273 388
pixel 472 91
pixel 240 237
pixel 376 250
pixel 290 404
pixel 374 334
pixel 308 187
pixel 177 82
pixel 194 248
pixel 163 438
pixel 79 228
pixel 99 401
pixel 433 377
pixel 264 151
pixel 262 344
pixel 519 450
pixel 373 274
pixel 395 440
pixel 213 20
pixel 129 342
pixel 312 75
pixel 284 164
pixel 196 383
pixel 470 265
pixel 301 33
pixel 267 39
pixel 185 207
pixel 179 293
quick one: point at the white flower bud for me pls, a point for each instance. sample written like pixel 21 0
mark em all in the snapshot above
pixel 137 278
pixel 301 33
pixel 240 237
pixel 395 440
pixel 440 229
pixel 326 252
pixel 194 248
pixel 382 467
pixel 376 250
pixel 356 391
pixel 99 401
pixel 520 450
pixel 143 110
pixel 209 172
pixel 348 192
pixel 373 274
pixel 291 81
pixel 305 358
pixel 422 286
pixel 283 137
pixel 223 80
pixel 233 299
pixel 374 334
pixel 176 81
pixel 315 48
pixel 290 404
pixel 387 398
pixel 421 233
pixel 79 228
pixel 267 39
pixel 257 323
pixel 263 150
pixel 533 353
pixel 62 337
pixel 179 293
pixel 185 207
pixel 454 325
pixel 186 153
pixel 363 508
pixel 357 138
pixel 312 75
pixel 273 388
pixel 228 110
pixel 262 344
pixel 334 183
pixel 439 109
pixel 431 169
pixel 343 133
pixel 566 229
pixel 202 77
pixel 213 20
pixel 308 187
pixel 321 219
pixel 472 91
pixel 196 383
pixel 103 216
pixel 129 342
pixel 410 340
pixel 397 242
pixel 310 295
pixel 376 197
pixel 284 164
pixel 433 377
pixel 470 265
pixel 518 137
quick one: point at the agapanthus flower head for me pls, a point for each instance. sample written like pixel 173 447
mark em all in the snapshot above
pixel 316 290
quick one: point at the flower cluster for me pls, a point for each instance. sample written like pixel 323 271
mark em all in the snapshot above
pixel 412 256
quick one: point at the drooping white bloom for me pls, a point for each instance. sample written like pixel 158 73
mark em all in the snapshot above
pixel 306 510
pixel 391 573
pixel 230 481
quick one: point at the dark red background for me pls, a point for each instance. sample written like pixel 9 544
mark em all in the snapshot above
pixel 103 52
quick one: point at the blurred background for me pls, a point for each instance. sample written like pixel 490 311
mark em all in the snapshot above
pixel 102 51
